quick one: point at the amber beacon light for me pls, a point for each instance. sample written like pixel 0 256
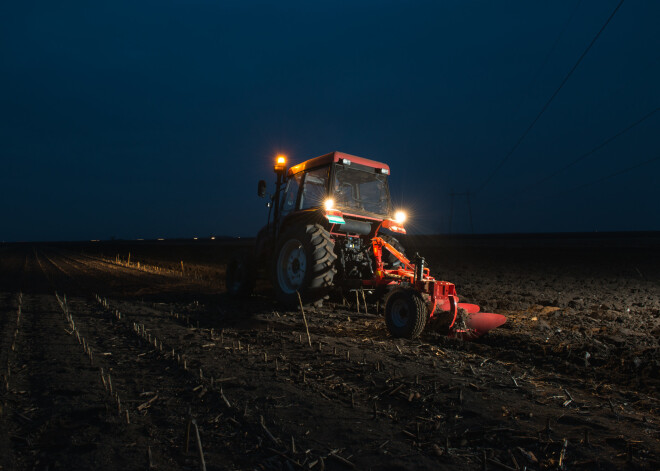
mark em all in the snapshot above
pixel 280 163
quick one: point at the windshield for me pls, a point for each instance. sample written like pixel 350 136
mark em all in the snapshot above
pixel 361 191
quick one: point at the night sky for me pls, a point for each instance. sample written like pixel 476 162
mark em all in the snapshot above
pixel 157 119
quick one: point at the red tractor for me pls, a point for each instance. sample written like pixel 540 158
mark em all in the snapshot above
pixel 326 232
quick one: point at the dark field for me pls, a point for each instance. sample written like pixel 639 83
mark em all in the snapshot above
pixel 129 360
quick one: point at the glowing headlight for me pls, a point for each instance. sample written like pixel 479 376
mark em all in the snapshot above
pixel 400 217
pixel 329 204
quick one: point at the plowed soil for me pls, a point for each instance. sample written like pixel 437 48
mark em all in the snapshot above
pixel 117 362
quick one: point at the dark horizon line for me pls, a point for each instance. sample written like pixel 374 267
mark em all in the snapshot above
pixel 462 235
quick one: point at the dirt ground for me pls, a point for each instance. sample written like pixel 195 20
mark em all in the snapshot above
pixel 111 363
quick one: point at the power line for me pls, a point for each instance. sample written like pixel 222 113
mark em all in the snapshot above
pixel 547 58
pixel 529 201
pixel 637 75
pixel 587 154
pixel 615 174
pixel 545 107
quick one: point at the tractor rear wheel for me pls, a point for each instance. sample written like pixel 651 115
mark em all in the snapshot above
pixel 240 276
pixel 304 262
pixel 406 313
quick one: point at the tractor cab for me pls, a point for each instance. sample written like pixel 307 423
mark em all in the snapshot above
pixel 349 194
pixel 346 183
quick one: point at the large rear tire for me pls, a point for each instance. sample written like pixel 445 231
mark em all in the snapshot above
pixel 304 262
pixel 240 277
pixel 406 314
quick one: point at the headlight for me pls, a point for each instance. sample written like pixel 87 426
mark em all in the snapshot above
pixel 400 217
pixel 329 204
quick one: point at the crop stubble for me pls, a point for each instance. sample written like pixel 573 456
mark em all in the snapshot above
pixel 555 388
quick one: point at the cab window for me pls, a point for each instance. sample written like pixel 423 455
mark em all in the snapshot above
pixel 315 188
pixel 290 194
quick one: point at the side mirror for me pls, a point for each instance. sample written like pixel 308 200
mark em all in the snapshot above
pixel 261 188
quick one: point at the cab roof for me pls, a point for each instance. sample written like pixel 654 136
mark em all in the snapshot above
pixel 336 157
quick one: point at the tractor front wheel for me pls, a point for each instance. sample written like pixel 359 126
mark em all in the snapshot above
pixel 406 313
pixel 304 263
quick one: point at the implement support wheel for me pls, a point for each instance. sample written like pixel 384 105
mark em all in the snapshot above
pixel 406 313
